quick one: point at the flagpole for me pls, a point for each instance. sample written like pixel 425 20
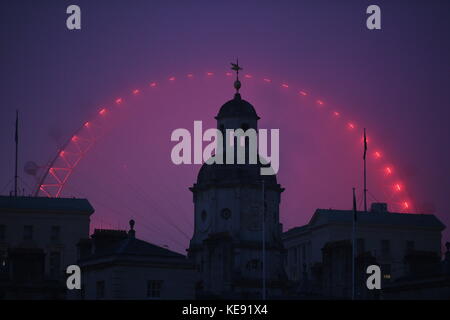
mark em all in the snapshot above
pixel 17 148
pixel 365 178
pixel 354 248
pixel 263 245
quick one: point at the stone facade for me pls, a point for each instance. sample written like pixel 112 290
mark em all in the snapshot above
pixel 385 237
pixel 116 265
pixel 38 238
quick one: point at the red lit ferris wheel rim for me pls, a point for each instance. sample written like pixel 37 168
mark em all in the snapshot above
pixel 62 165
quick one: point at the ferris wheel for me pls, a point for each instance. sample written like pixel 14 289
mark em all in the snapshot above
pixel 52 177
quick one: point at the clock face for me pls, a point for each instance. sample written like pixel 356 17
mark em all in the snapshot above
pixel 204 221
pixel 225 214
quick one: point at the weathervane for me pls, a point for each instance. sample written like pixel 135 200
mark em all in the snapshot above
pixel 236 67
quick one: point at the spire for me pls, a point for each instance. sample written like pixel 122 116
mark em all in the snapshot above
pixel 236 67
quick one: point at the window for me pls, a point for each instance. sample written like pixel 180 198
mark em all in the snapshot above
pixel 3 262
pixel 55 264
pixel 386 271
pixel 55 233
pixel 295 255
pixel 291 255
pixel 100 287
pixel 154 288
pixel 410 246
pixel 360 246
pixel 204 215
pixel 385 247
pixel 28 232
pixel 2 232
pixel 254 265
pixel 304 252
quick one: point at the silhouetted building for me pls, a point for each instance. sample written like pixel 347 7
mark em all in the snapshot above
pixel 427 277
pixel 382 237
pixel 334 279
pixel 116 265
pixel 38 238
pixel 228 214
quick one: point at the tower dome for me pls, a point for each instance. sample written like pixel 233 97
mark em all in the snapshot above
pixel 237 108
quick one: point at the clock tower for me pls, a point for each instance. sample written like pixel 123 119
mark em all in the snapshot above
pixel 236 244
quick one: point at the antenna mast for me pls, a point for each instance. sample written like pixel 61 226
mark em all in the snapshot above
pixel 17 148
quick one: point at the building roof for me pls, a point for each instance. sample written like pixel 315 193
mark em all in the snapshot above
pixel 128 248
pixel 296 230
pixel 331 216
pixel 43 204
pixel 326 216
pixel 136 247
pixel 237 108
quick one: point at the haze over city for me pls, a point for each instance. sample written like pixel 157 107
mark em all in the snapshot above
pixel 393 82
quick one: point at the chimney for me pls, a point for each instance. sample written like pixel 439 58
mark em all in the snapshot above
pixel 378 207
pixel 104 239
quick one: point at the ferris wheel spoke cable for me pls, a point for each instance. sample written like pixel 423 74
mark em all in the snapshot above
pixel 171 203
pixel 308 97
pixel 117 213
pixel 175 205
pixel 146 223
pixel 7 185
pixel 145 197
pixel 137 191
pixel 141 194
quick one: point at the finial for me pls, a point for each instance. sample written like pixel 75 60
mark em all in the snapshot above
pixel 236 67
pixel 131 233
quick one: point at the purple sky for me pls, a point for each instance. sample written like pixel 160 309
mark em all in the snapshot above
pixel 394 82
